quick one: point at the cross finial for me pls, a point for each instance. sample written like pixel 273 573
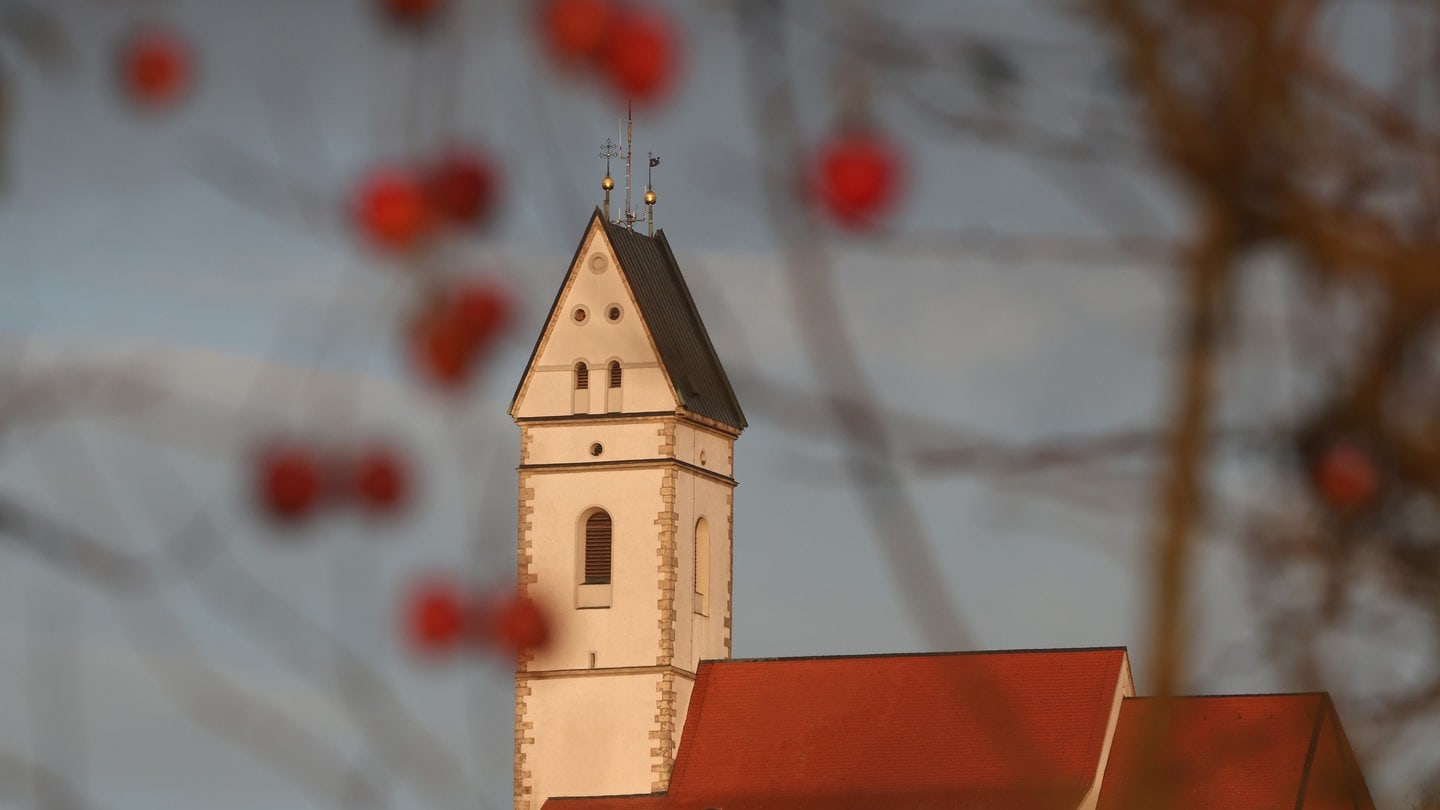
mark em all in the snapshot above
pixel 608 150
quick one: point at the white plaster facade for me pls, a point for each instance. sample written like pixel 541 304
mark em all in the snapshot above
pixel 600 709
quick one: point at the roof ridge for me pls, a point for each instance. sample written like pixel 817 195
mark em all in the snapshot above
pixel 1106 707
pixel 1310 750
pixel 610 796
pixel 664 242
pixel 1313 694
pixel 555 304
pixel 693 714
pixel 931 654
pixel 1353 772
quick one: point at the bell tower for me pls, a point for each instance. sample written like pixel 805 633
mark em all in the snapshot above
pixel 627 431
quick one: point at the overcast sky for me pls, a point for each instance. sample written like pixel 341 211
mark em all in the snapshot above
pixel 119 250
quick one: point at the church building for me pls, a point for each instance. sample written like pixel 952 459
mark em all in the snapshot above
pixel 628 427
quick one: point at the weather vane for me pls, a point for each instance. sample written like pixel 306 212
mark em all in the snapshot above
pixel 650 191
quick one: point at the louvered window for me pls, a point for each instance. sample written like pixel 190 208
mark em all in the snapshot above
pixel 615 374
pixel 582 377
pixel 597 549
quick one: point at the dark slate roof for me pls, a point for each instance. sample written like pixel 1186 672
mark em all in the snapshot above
pixel 675 323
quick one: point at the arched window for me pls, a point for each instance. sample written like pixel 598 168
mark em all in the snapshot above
pixel 582 376
pixel 614 392
pixel 597 549
pixel 702 565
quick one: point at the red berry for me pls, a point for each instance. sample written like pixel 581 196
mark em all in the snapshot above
pixel 455 330
pixel 381 480
pixel 575 31
pixel 462 187
pixel 434 616
pixel 392 210
pixel 482 310
pixel 641 56
pixel 442 353
pixel 156 68
pixel 1346 477
pixel 411 12
pixel 287 482
pixel 441 347
pixel 856 178
pixel 519 625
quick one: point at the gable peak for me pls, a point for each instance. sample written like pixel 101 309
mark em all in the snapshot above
pixel 662 302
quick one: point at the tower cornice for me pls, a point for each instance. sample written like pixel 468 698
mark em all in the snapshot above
pixel 712 425
pixel 660 462
pixel 603 672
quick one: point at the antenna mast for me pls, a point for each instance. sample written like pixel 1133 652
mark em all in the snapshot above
pixel 611 149
pixel 629 133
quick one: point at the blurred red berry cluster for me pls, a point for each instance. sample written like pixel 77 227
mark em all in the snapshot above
pixel 293 479
pixel 1345 477
pixel 156 68
pixel 631 48
pixel 402 209
pixel 411 13
pixel 440 616
pixel 454 329
pixel 856 177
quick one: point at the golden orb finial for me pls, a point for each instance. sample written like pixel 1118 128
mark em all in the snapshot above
pixel 649 197
pixel 608 183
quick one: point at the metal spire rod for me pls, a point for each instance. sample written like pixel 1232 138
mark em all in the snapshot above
pixel 609 150
pixel 629 133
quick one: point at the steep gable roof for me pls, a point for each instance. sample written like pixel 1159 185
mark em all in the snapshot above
pixel 1002 729
pixel 1240 752
pixel 670 312
pixel 1010 730
pixel 672 319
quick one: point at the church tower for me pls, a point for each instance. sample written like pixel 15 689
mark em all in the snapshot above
pixel 627 431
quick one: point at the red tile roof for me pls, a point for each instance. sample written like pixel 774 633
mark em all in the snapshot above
pixel 1236 752
pixel 989 731
pixel 1009 730
pixel 908 801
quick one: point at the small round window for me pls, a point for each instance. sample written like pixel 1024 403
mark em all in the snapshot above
pixel 598 263
pixel 702 458
pixel 613 313
pixel 580 315
pixel 596 449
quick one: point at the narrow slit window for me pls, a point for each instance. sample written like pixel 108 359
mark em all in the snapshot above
pixel 582 377
pixel 701 580
pixel 615 374
pixel 597 549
